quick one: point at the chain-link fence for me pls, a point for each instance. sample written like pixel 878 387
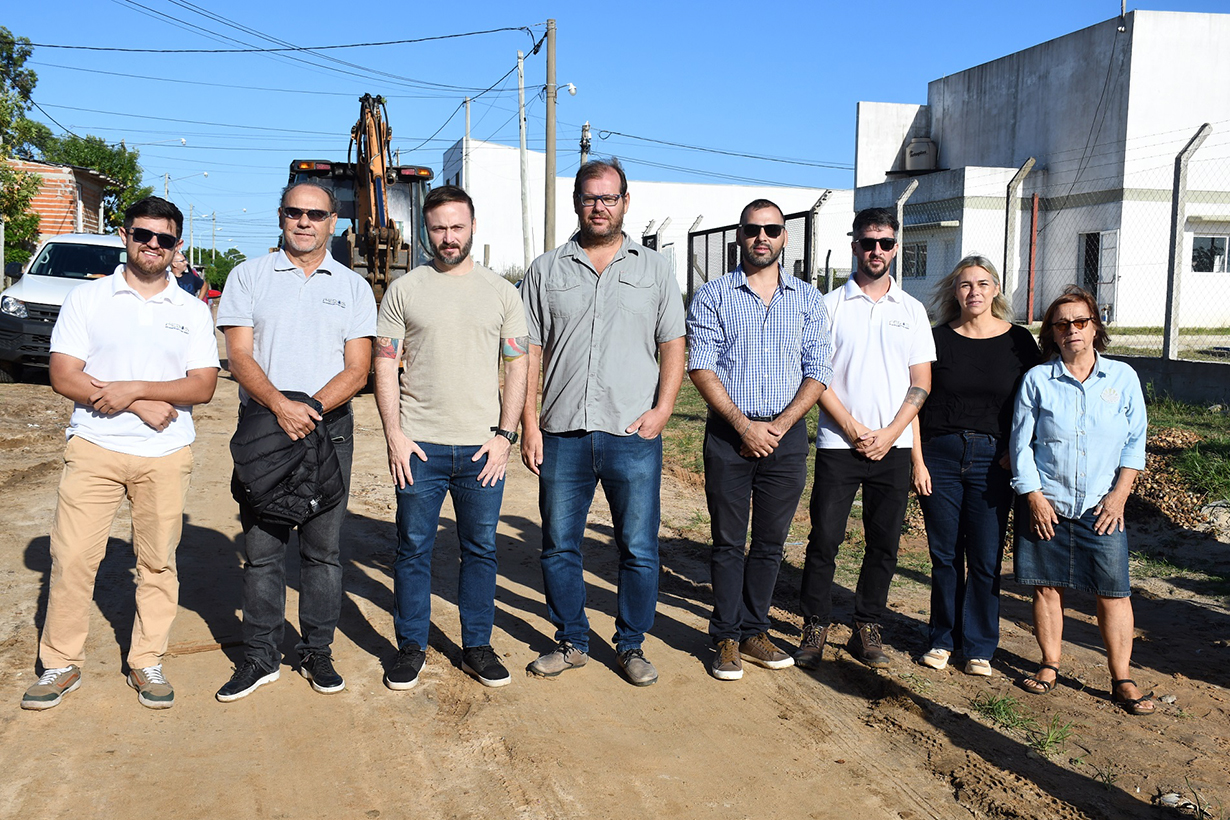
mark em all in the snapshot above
pixel 715 252
pixel 1143 225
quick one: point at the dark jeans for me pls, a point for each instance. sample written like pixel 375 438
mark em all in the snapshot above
pixel 320 570
pixel 967 519
pixel 630 469
pixel 452 470
pixel 886 485
pixel 743 583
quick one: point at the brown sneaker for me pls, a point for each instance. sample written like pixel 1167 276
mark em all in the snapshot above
pixel 811 648
pixel 864 644
pixel 760 650
pixel 726 663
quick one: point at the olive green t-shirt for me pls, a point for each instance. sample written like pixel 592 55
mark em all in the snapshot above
pixel 453 328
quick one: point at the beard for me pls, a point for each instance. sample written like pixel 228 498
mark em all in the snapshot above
pixel 438 252
pixel 761 260
pixel 614 227
pixel 873 274
pixel 147 267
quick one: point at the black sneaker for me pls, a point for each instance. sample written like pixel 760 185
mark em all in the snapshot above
pixel 865 645
pixel 484 664
pixel 404 673
pixel 319 670
pixel 248 676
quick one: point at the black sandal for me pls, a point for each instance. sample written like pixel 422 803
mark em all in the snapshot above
pixel 1130 705
pixel 1044 686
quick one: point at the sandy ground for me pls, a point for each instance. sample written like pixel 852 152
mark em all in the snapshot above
pixel 845 741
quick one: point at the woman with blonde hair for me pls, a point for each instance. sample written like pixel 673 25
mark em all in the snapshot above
pixel 960 459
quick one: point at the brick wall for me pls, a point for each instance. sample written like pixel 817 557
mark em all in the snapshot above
pixel 56 201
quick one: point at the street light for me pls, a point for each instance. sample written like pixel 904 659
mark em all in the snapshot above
pixel 166 182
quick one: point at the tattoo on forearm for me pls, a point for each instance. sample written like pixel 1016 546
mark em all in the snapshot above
pixel 916 396
pixel 386 348
pixel 515 348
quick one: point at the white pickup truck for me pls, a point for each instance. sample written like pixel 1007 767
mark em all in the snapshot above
pixel 29 308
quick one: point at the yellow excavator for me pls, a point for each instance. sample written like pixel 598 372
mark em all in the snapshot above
pixel 382 200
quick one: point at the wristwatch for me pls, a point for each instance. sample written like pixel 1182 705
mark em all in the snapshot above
pixel 511 435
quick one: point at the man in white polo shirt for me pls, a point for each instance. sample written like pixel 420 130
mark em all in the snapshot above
pixel 134 352
pixel 882 354
pixel 297 321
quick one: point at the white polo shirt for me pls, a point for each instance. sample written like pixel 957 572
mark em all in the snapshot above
pixel 122 336
pixel 874 346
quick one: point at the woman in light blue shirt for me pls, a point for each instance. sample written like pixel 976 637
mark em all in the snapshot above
pixel 1077 444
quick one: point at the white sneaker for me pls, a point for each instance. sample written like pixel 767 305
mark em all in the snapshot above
pixel 980 667
pixel 935 657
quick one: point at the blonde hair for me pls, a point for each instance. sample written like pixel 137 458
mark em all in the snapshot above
pixel 944 299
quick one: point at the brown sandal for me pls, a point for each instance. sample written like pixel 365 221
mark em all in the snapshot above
pixel 1035 685
pixel 1133 706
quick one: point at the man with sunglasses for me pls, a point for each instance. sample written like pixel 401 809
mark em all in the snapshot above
pixel 134 352
pixel 882 354
pixel 759 351
pixel 606 320
pixel 297 321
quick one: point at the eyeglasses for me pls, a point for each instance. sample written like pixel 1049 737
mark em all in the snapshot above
pixel 609 200
pixel 868 243
pixel 1062 325
pixel 142 236
pixel 314 214
pixel 751 231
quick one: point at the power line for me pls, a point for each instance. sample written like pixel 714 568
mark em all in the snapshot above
pixel 836 166
pixel 526 29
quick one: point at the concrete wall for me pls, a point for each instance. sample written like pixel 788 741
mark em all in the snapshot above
pixel 495 185
pixel 882 132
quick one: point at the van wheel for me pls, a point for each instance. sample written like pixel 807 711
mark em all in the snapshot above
pixel 9 373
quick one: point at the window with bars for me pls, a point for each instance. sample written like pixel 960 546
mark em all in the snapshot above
pixel 914 259
pixel 1209 254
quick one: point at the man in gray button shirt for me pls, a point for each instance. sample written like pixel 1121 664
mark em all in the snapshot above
pixel 606 319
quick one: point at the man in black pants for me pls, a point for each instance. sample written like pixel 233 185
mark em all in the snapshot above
pixel 760 350
pixel 882 354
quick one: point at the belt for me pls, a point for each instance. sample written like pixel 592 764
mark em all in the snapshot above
pixel 762 418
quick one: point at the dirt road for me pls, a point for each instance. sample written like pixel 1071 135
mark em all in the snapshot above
pixel 845 741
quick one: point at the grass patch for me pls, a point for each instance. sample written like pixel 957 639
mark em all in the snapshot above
pixel 1166 412
pixel 1051 738
pixel 1145 330
pixel 1004 711
pixel 1206 464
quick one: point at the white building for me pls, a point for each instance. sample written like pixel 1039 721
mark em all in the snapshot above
pixel 1103 111
pixel 665 209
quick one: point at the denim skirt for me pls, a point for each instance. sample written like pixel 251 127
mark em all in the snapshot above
pixel 1075 558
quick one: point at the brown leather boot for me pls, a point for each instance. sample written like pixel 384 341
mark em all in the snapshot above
pixel 811 647
pixel 865 645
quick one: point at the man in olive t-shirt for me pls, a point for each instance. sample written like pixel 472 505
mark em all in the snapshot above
pixel 447 429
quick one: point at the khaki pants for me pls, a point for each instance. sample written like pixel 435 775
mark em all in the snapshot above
pixel 94 482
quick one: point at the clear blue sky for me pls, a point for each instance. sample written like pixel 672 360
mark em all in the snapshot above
pixel 771 79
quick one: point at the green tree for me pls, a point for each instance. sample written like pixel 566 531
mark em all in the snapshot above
pixel 116 162
pixel 216 267
pixel 16 86
pixel 17 188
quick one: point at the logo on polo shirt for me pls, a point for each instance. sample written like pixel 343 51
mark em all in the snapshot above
pixel 899 323
pixel 334 302
pixel 177 327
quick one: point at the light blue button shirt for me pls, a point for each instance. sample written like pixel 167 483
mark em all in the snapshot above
pixel 1069 438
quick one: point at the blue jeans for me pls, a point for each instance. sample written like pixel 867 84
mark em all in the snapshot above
pixel 320 571
pixel 630 469
pixel 448 469
pixel 967 518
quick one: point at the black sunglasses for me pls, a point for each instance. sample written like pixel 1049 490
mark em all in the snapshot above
pixel 751 231
pixel 1062 325
pixel 314 214
pixel 868 243
pixel 142 236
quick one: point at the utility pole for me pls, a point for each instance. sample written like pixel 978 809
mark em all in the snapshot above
pixel 166 186
pixel 548 237
pixel 465 150
pixel 213 240
pixel 191 243
pixel 585 143
pixel 526 239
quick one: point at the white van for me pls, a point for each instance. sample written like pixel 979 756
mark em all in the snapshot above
pixel 28 309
